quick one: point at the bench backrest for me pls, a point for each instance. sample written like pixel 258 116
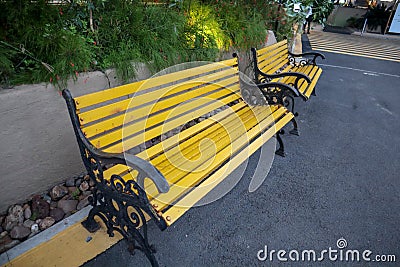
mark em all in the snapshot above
pixel 271 58
pixel 121 118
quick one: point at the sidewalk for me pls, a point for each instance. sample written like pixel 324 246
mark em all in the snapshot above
pixel 355 32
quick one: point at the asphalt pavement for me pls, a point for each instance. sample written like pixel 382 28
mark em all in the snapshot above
pixel 339 181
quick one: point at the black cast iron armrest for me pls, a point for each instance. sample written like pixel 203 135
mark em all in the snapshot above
pixel 146 169
pixel 298 76
pixel 285 88
pixel 315 54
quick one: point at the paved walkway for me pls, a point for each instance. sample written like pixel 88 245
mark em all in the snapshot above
pixel 338 181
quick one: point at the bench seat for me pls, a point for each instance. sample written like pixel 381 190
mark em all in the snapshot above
pixel 191 181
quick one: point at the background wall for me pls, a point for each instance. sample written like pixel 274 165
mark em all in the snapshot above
pixel 38 148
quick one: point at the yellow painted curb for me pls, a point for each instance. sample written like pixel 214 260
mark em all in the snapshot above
pixel 67 248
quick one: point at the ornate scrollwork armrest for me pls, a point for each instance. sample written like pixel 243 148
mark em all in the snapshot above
pixel 307 61
pixel 298 76
pixel 145 168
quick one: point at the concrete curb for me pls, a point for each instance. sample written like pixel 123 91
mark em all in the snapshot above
pixel 44 236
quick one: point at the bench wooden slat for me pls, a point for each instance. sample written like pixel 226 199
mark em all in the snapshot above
pixel 120 106
pixel 178 151
pixel 266 49
pixel 145 111
pixel 313 83
pixel 152 133
pixel 199 192
pixel 270 53
pixel 238 124
pixel 125 90
pixel 166 144
pixel 275 63
pixel 191 178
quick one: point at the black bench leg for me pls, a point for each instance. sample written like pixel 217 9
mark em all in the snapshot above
pixel 288 102
pixel 295 130
pixel 281 150
pixel 313 91
pixel 123 210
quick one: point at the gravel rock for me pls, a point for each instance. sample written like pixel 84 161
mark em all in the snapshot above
pixel 15 216
pixel 27 212
pixel 57 214
pixel 68 205
pixel 1 229
pixel 12 244
pixel 9 224
pixel 78 182
pixel 2 219
pixel 70 182
pixel 86 177
pixel 3 234
pixel 35 228
pixel 40 207
pixel 73 190
pixel 28 223
pixel 58 192
pixel 47 198
pixel 84 186
pixel 20 232
pixel 4 242
pixel 83 203
pixel 53 204
pixel 91 183
pixel 46 223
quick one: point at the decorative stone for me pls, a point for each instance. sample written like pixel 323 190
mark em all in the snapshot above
pixel 28 223
pixel 16 212
pixel 40 207
pixel 70 182
pixel 53 204
pixel 58 192
pixel 27 212
pixel 47 198
pixel 4 241
pixel 86 177
pixel 15 216
pixel 67 205
pixel 91 183
pixel 78 182
pixel 46 223
pixel 20 232
pixel 35 228
pixel 12 244
pixel 73 190
pixel 57 214
pixel 83 203
pixel 3 234
pixel 84 186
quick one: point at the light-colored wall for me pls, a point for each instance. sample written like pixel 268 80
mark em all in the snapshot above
pixel 38 148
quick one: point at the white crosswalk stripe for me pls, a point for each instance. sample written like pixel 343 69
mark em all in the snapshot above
pixel 355 45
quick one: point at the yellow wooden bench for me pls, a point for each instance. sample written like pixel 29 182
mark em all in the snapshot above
pixel 275 63
pixel 156 147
